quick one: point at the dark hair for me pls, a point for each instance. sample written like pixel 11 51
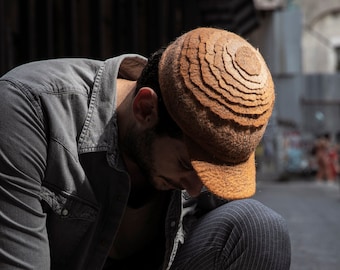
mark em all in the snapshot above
pixel 149 78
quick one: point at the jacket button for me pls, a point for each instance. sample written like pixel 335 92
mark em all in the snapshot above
pixel 64 212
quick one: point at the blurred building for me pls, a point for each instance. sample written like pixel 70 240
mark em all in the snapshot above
pixel 300 42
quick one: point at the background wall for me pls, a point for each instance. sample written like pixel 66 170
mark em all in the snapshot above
pixel 38 29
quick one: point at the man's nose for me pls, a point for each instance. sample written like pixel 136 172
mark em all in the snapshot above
pixel 192 184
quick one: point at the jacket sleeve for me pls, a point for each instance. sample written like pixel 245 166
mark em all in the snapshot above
pixel 23 150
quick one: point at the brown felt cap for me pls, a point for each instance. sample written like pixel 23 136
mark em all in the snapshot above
pixel 218 89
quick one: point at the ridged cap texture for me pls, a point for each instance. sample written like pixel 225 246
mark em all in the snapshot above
pixel 219 90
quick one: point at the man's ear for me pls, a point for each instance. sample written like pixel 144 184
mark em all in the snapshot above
pixel 145 107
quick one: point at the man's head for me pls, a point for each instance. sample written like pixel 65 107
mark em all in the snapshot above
pixel 211 94
pixel 154 141
pixel 219 91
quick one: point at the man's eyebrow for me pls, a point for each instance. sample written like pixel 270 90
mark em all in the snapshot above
pixel 171 182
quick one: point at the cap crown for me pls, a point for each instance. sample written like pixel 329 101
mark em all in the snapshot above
pixel 218 89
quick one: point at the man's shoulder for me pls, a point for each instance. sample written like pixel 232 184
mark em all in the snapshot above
pixel 130 65
pixel 54 73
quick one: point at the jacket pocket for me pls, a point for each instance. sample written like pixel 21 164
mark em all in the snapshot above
pixel 68 225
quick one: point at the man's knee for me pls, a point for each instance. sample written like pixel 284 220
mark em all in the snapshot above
pixel 258 235
pixel 251 217
pixel 242 234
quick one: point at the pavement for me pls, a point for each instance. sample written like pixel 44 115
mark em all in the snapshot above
pixel 312 212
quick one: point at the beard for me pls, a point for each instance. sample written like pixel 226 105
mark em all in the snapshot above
pixel 138 148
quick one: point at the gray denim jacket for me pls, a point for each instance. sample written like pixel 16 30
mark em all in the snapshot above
pixel 74 180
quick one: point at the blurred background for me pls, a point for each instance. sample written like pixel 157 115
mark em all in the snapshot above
pixel 300 41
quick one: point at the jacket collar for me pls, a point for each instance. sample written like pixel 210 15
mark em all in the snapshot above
pixel 99 132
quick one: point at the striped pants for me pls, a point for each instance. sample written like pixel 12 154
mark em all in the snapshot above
pixel 239 235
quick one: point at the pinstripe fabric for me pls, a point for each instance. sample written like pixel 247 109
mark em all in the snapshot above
pixel 242 235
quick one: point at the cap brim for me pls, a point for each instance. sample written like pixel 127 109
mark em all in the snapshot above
pixel 228 182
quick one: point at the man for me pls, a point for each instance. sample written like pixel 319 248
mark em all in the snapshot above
pixel 125 164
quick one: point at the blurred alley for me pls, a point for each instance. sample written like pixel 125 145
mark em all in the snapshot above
pixel 312 211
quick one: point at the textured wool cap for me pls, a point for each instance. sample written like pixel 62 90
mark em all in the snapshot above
pixel 218 89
